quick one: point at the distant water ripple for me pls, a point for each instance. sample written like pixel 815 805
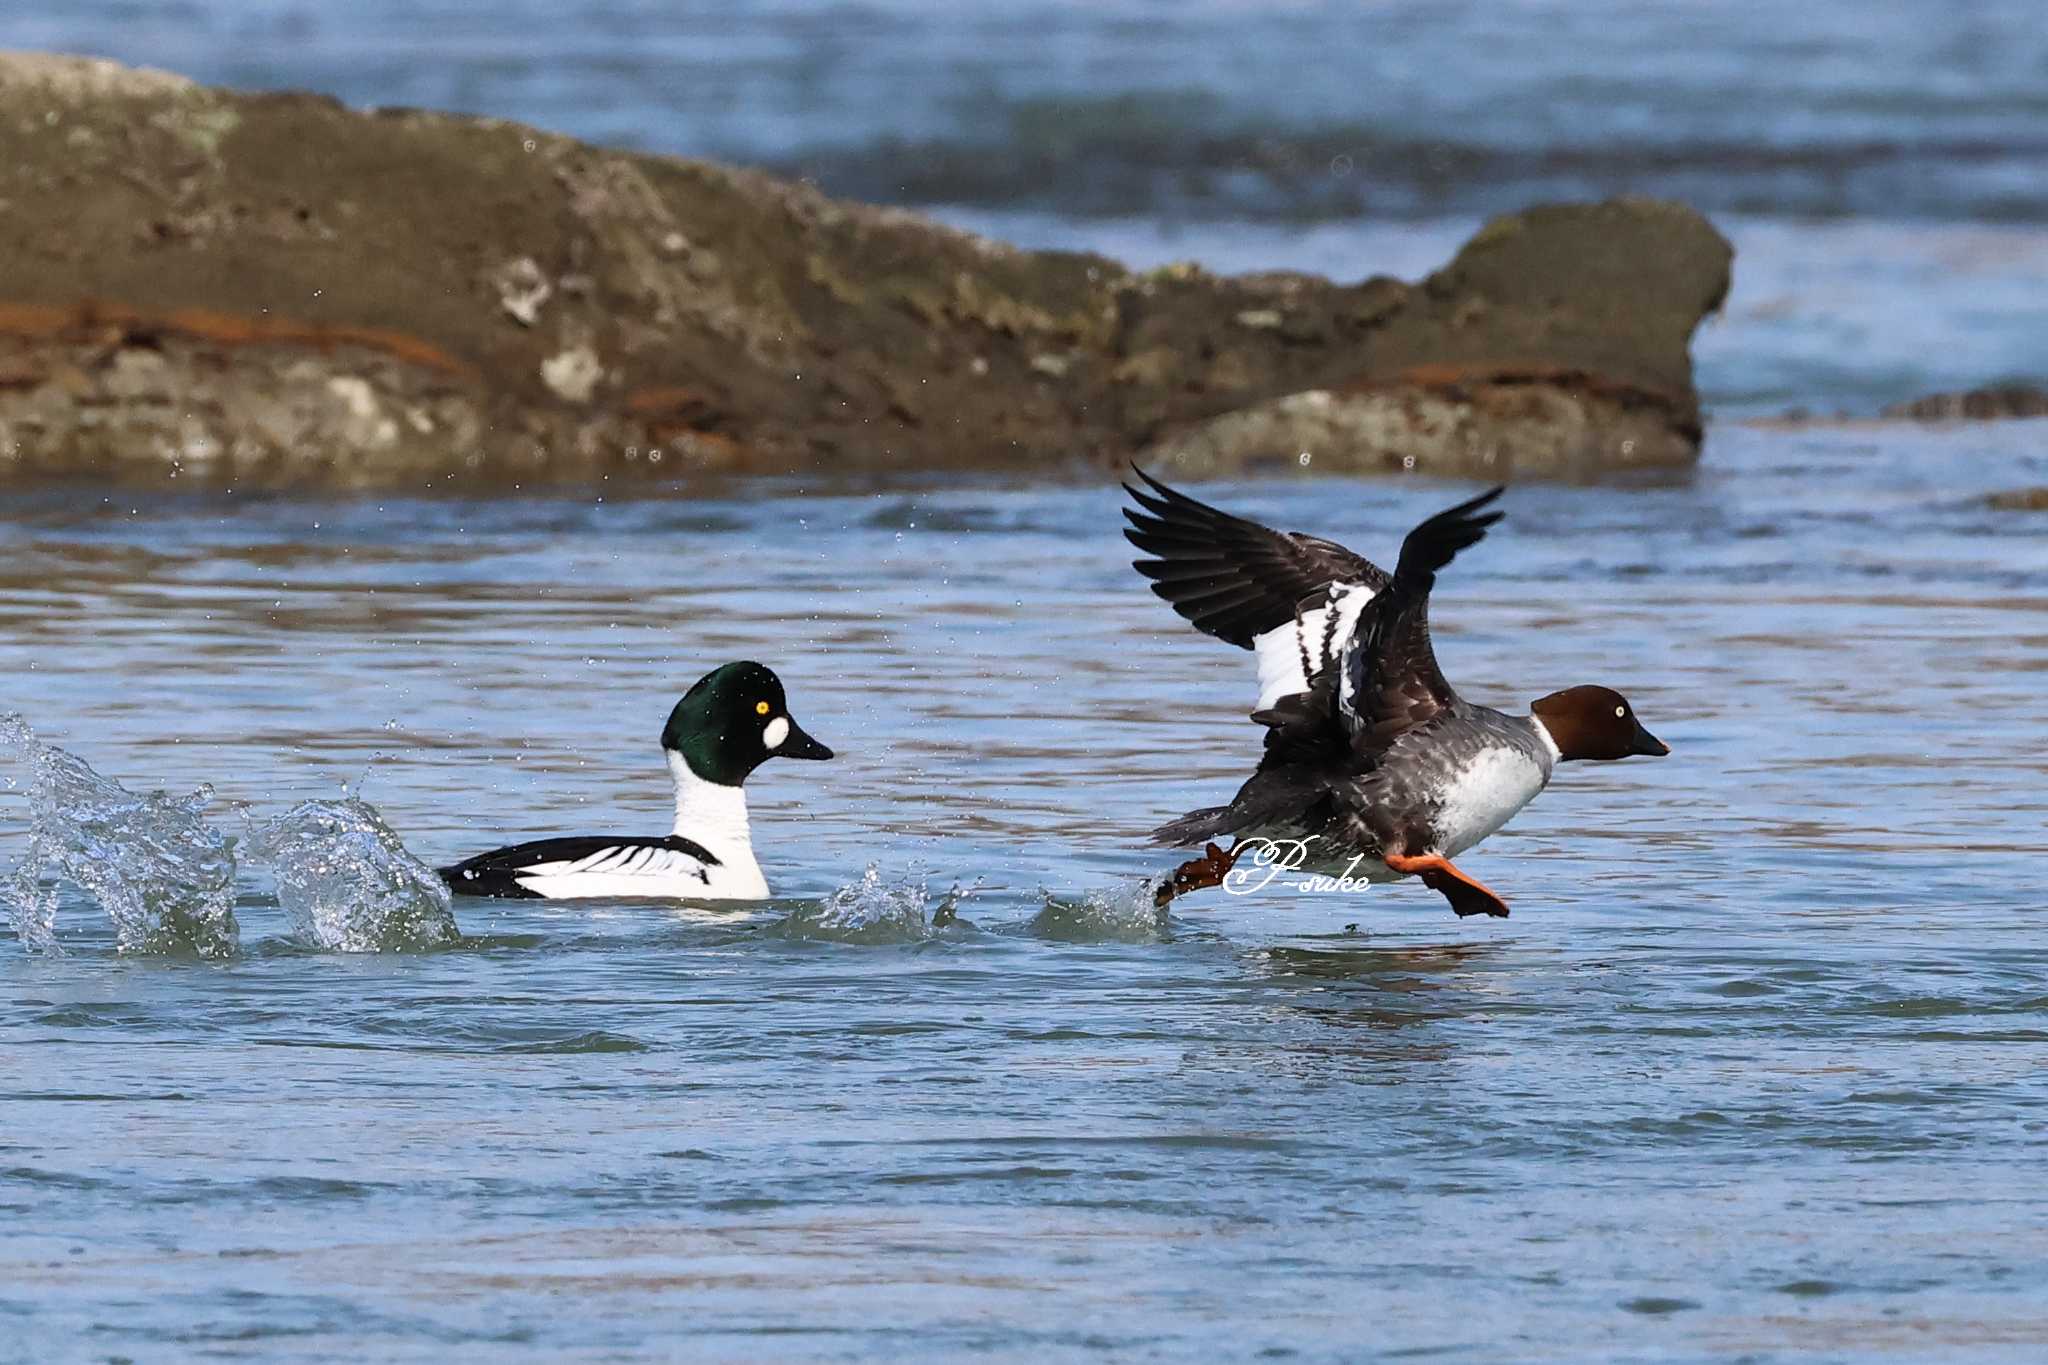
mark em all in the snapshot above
pixel 1752 1069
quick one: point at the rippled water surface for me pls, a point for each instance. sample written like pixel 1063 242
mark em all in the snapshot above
pixel 1216 109
pixel 1754 1069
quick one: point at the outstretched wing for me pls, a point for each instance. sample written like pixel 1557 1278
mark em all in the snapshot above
pixel 1235 579
pixel 1388 681
pixel 1290 598
pixel 504 872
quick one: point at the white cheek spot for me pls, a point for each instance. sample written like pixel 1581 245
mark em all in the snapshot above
pixel 775 732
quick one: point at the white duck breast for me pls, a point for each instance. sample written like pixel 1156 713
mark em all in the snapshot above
pixel 715 817
pixel 1486 793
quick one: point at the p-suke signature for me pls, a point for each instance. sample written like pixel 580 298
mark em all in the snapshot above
pixel 1260 862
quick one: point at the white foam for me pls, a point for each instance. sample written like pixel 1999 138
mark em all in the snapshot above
pixel 163 875
pixel 1121 914
pixel 877 909
pixel 349 883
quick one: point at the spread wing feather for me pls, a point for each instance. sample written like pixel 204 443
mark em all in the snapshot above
pixel 1388 681
pixel 1233 578
pixel 1384 683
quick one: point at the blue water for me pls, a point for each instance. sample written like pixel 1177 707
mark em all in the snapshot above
pixel 1203 108
pixel 1751 1071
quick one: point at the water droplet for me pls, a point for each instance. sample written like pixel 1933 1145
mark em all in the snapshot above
pixel 348 881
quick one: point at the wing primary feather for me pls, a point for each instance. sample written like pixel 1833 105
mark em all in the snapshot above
pixel 1437 541
pixel 1233 578
pixel 1391 681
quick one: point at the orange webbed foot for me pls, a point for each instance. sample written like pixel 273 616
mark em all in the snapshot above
pixel 1467 895
pixel 1208 870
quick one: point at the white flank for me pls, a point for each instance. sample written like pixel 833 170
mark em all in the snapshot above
pixel 712 816
pixel 627 870
pixel 1486 796
pixel 1309 638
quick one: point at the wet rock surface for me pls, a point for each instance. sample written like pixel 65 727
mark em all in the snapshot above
pixel 216 287
pixel 1989 403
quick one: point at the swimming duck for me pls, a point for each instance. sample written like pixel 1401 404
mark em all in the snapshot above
pixel 1374 766
pixel 734 720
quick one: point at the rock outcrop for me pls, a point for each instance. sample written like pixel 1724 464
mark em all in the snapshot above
pixel 2006 401
pixel 216 287
pixel 1993 402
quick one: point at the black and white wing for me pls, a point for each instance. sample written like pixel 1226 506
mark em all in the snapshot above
pixel 513 872
pixel 1291 598
pixel 1388 681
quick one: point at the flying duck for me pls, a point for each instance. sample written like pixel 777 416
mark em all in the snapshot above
pixel 734 720
pixel 1374 766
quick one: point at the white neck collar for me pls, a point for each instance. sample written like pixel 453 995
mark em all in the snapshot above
pixel 709 813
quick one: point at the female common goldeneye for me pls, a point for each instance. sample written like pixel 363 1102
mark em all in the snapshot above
pixel 1374 766
pixel 734 720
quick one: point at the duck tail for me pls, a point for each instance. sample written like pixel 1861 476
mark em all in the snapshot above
pixel 1304 728
pixel 1196 827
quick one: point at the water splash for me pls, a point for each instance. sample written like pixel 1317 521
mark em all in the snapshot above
pixel 164 876
pixel 349 883
pixel 877 910
pixel 1120 914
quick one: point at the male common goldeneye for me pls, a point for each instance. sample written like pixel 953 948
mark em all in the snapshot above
pixel 730 723
pixel 1373 764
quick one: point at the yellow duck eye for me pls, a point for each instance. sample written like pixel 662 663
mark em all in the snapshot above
pixel 762 708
